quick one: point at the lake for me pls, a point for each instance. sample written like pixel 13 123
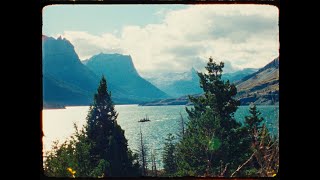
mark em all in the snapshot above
pixel 58 123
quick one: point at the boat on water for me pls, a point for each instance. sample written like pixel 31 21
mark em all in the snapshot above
pixel 146 119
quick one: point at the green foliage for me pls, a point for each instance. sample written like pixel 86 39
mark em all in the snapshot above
pixel 58 160
pixel 73 153
pixel 253 121
pixel 263 145
pixel 134 158
pixel 107 137
pixel 214 143
pixel 81 153
pixel 99 149
pixel 251 172
pixel 219 94
pixel 99 170
pixel 169 156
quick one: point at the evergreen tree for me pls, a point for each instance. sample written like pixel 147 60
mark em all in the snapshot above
pixel 253 122
pixel 82 155
pixel 214 143
pixel 169 156
pixel 107 137
pixel 264 147
pixel 99 149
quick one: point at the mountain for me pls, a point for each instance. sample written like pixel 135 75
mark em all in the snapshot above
pixel 178 84
pixel 183 100
pixel 120 72
pixel 187 83
pixel 238 75
pixel 261 87
pixel 66 81
pixel 62 62
pixel 59 93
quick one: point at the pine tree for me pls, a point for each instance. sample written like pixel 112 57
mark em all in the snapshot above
pixel 264 147
pixel 169 157
pixel 98 149
pixel 107 137
pixel 253 122
pixel 219 94
pixel 214 143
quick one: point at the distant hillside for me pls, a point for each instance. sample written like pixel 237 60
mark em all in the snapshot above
pixel 183 100
pixel 120 71
pixel 260 87
pixel 178 84
pixel 57 92
pixel 187 83
pixel 238 75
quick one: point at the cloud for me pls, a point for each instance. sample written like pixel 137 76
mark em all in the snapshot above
pixel 241 35
pixel 87 44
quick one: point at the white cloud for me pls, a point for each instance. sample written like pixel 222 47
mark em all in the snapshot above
pixel 87 44
pixel 244 35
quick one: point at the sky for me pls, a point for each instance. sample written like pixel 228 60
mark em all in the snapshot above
pixel 170 38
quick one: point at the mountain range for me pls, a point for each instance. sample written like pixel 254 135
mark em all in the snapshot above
pixel 178 84
pixel 67 81
pixel 259 86
pixel 238 75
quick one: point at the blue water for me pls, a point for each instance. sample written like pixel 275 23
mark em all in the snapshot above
pixel 58 123
pixel 269 113
pixel 166 119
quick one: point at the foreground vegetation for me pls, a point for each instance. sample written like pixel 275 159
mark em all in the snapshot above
pixel 99 149
pixel 212 143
